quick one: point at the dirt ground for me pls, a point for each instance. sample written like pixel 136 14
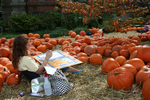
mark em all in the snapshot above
pixel 90 84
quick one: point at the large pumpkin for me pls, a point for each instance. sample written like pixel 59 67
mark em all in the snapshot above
pixel 144 54
pixel 109 64
pixel 120 78
pixel 146 90
pixel 96 59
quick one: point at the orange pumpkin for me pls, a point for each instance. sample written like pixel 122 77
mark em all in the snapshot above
pixel 136 62
pixel 131 68
pixel 114 54
pixel 146 90
pixel 37 35
pixel 46 36
pixel 30 34
pixel 1 81
pixel 42 48
pixel 89 49
pixel 144 54
pixel 4 72
pixel 95 59
pixel 49 45
pixel 73 34
pixel 13 79
pixel 120 60
pixel 108 65
pixel 120 78
pixel 142 76
pixel 4 51
pixel 83 59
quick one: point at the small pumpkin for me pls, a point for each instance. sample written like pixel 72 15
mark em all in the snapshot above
pixel 1 81
pixel 95 59
pixel 136 62
pixel 42 48
pixel 89 49
pixel 108 65
pixel 13 79
pixel 120 60
pixel 131 68
pixel 37 35
pixel 46 36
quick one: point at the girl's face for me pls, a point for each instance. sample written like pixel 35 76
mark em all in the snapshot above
pixel 28 45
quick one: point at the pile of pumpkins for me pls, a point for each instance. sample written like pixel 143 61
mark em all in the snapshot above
pixel 127 60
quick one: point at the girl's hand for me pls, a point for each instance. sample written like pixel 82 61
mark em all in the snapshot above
pixel 48 54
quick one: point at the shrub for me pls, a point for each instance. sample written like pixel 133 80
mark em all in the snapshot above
pixel 23 22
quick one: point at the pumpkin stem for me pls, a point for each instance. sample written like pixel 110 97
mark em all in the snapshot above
pixel 4 69
pixel 116 73
pixel 146 69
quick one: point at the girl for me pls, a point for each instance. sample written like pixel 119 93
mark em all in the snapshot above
pixel 26 64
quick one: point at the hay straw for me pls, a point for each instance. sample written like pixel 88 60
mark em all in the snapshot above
pixel 90 84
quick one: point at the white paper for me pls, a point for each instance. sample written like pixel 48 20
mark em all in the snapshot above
pixel 55 55
pixel 50 70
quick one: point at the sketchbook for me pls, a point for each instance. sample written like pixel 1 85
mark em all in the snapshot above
pixel 59 59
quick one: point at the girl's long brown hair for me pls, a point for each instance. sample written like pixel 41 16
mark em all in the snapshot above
pixel 19 49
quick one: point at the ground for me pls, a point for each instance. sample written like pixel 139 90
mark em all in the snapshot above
pixel 89 84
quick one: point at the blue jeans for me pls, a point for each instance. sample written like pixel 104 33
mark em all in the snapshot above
pixel 65 69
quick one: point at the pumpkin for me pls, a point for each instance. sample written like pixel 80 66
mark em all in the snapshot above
pixel 146 90
pixel 81 54
pixel 107 52
pixel 4 51
pixel 142 76
pixel 133 54
pixel 30 34
pixel 124 52
pixel 53 41
pixel 87 40
pixel 37 35
pixel 42 48
pixel 49 45
pixel 100 50
pixel 136 62
pixel 1 81
pixel 36 42
pixel 93 30
pixel 144 54
pixel 120 78
pixel 61 40
pixel 4 72
pixel 77 49
pixel 83 45
pixel 108 65
pixel 68 39
pixel 95 59
pixel 82 33
pixel 3 39
pixel 83 59
pixel 73 34
pixel 120 60
pixel 114 54
pixel 131 68
pixel 89 49
pixel 13 79
pixel 46 36
pixel 76 43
